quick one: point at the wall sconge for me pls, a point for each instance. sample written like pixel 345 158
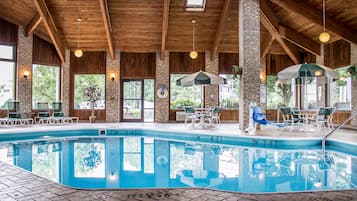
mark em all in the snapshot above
pixel 112 176
pixel 26 74
pixel 112 75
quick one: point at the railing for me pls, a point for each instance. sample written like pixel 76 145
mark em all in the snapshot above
pixel 323 143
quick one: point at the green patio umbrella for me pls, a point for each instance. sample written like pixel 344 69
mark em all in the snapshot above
pixel 307 70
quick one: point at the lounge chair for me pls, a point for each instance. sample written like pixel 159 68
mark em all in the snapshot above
pixel 43 114
pixel 14 116
pixel 58 114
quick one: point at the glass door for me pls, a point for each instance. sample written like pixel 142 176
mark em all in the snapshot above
pixel 132 100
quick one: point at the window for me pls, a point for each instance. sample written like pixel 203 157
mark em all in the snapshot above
pixel 229 93
pixel 340 91
pixel 309 93
pixel 7 75
pixel 280 93
pixel 81 82
pixel 45 84
pixel 195 5
pixel 184 96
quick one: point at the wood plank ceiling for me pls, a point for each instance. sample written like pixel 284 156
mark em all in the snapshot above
pixel 136 25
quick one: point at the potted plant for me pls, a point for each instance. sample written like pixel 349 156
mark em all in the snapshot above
pixel 93 93
pixel 353 71
pixel 236 71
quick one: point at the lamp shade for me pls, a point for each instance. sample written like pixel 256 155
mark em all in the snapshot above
pixel 324 37
pixel 78 53
pixel 193 54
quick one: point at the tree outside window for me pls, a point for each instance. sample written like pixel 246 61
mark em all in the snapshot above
pixel 7 75
pixel 340 91
pixel 81 82
pixel 229 93
pixel 279 93
pixel 45 84
pixel 184 96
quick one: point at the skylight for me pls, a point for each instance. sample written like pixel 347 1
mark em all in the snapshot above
pixel 195 5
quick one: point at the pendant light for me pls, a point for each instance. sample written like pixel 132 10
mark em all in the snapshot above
pixel 78 52
pixel 324 37
pixel 193 53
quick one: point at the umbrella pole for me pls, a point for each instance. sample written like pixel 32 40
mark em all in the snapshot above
pixel 202 97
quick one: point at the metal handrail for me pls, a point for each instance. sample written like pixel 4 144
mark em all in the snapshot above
pixel 323 142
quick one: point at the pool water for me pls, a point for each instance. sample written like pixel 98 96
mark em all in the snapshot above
pixel 147 162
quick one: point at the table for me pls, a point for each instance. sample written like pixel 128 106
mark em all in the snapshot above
pixel 307 115
pixel 202 114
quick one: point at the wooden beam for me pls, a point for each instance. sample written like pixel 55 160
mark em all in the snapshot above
pixel 221 26
pixel 107 26
pixel 50 27
pixel 299 40
pixel 165 26
pixel 265 45
pixel 32 25
pixel 271 23
pixel 315 15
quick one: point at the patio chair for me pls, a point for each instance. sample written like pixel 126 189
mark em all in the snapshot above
pixel 14 116
pixel 215 115
pixel 58 114
pixel 190 114
pixel 324 117
pixel 291 116
pixel 43 114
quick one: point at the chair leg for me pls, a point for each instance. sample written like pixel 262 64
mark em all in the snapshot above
pixel 186 121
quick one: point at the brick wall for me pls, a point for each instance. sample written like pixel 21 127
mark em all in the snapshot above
pixel 249 60
pixel 113 88
pixel 24 63
pixel 211 92
pixel 354 82
pixel 66 82
pixel 162 79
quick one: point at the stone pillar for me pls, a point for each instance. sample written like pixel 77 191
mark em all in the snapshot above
pixel 211 92
pixel 66 82
pixel 354 83
pixel 162 105
pixel 24 63
pixel 113 88
pixel 249 59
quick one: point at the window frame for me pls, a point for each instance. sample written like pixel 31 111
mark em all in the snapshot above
pixel 195 8
pixel 14 45
pixel 219 93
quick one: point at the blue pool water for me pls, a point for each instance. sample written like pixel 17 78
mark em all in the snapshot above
pixel 149 161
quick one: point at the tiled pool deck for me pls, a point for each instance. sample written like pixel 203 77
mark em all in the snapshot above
pixel 18 184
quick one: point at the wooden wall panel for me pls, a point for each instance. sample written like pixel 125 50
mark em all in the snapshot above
pixel 276 63
pixel 230 116
pixel 137 65
pixel 90 63
pixel 180 62
pixel 44 53
pixel 341 116
pixel 226 61
pixel 337 54
pixel 8 32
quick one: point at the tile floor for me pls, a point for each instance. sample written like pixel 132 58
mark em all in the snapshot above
pixel 18 184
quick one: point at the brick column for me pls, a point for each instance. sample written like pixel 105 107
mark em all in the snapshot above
pixel 112 99
pixel 24 63
pixel 354 83
pixel 211 92
pixel 249 59
pixel 162 105
pixel 66 82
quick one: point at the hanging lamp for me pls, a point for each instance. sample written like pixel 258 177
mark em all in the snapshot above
pixel 324 37
pixel 193 53
pixel 78 52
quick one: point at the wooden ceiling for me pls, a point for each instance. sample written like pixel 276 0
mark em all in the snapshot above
pixel 137 25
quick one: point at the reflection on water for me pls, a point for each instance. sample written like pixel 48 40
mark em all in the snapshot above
pixel 137 162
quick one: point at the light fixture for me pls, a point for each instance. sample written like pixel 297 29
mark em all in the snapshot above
pixel 193 53
pixel 78 52
pixel 112 75
pixel 318 73
pixel 26 74
pixel 324 37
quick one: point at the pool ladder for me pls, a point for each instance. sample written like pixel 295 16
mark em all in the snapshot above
pixel 323 142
